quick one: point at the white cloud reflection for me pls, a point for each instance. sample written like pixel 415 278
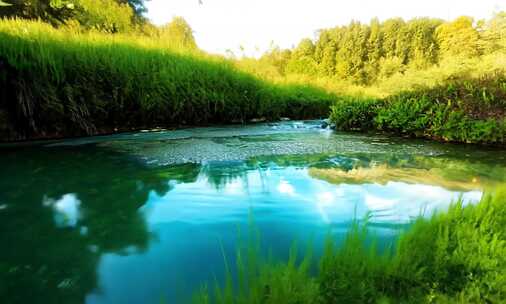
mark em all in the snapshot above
pixel 285 188
pixel 277 193
pixel 67 212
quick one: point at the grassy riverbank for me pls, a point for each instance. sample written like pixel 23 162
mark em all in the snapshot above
pixel 461 110
pixel 66 81
pixel 63 82
pixel 453 257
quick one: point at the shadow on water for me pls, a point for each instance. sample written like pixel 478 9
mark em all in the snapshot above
pixel 67 211
pixel 64 208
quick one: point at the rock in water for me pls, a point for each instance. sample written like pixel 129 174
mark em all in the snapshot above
pixel 257 120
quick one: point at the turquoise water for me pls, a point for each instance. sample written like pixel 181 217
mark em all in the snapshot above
pixel 146 217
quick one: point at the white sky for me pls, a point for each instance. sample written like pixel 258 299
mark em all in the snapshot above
pixel 219 25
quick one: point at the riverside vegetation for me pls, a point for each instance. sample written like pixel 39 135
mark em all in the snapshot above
pixel 64 83
pixel 453 257
pixel 85 67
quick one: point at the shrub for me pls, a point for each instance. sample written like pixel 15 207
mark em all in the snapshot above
pixel 462 110
pixel 354 113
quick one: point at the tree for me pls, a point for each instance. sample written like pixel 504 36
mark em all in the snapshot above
pixel 104 15
pixel 493 33
pixel 424 46
pixel 391 29
pixel 277 58
pixel 138 6
pixel 302 58
pixel 179 33
pixel 352 53
pixel 375 42
pixel 458 37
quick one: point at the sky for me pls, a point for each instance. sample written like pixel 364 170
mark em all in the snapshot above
pixel 221 25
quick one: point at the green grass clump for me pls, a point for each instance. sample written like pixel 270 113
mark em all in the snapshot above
pixel 64 82
pixel 355 113
pixel 462 110
pixel 453 257
pixel 260 279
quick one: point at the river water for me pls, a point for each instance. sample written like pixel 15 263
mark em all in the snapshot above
pixel 147 217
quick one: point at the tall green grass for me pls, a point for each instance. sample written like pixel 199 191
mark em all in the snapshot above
pixel 454 257
pixel 64 83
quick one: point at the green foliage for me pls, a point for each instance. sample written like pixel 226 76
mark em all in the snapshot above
pixel 458 38
pixel 468 110
pixel 260 279
pixel 353 272
pixel 138 6
pixel 354 113
pixel 103 15
pixel 453 257
pixel 178 31
pixel 390 67
pixel 368 54
pixel 67 83
pixel 301 59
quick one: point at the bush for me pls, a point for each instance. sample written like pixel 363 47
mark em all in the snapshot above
pixel 354 113
pixel 462 110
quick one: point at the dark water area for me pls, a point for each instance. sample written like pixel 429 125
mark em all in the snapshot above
pixel 146 217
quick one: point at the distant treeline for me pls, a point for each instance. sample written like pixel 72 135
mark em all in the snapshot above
pixel 364 53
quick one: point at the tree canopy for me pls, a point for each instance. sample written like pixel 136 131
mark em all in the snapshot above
pixel 104 15
pixel 179 32
pixel 364 53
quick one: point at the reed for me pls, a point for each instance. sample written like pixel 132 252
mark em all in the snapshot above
pixel 64 82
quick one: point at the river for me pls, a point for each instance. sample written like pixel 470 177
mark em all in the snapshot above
pixel 147 217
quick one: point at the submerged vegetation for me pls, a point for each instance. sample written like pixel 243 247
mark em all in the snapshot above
pixel 453 257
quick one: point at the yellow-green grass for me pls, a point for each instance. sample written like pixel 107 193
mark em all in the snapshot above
pixel 61 82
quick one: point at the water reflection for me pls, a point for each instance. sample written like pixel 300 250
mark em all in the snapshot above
pixel 100 225
pixel 66 209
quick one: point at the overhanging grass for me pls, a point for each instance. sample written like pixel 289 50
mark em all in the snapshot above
pixel 64 83
pixel 453 257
